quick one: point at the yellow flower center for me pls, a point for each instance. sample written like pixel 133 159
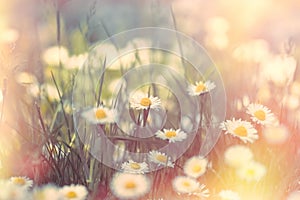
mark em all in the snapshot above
pixel 135 166
pixel 161 158
pixel 251 172
pixel 186 184
pixel 19 181
pixel 200 87
pixel 100 114
pixel 130 185
pixel 145 102
pixel 71 195
pixel 170 134
pixel 196 168
pixel 260 114
pixel 241 131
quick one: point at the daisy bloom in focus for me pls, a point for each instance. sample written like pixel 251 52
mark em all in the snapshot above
pixel 47 192
pixel 135 167
pixel 129 186
pixel 21 181
pixel 260 114
pixel 171 135
pixel 73 192
pixel 100 115
pixel 140 101
pixel 228 195
pixel 195 166
pixel 185 185
pixel 238 155
pixel 241 129
pixel 160 158
pixel 200 88
pixel 253 171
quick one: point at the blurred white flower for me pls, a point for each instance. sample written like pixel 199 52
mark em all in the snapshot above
pixel 279 69
pixel 11 191
pixel 200 88
pixel 160 158
pixel 295 195
pixel 171 135
pixel 217 28
pixel 295 88
pixel 143 101
pixel 238 155
pixel 46 192
pixel 9 35
pixel 73 192
pixel 185 185
pixel 291 101
pixel 75 61
pixel 99 115
pixel 252 51
pixel 129 186
pixel 26 78
pixel 50 91
pixel 54 55
pixel 253 171
pixel 261 114
pixel 135 167
pixel 195 166
pixel 228 195
pixel 241 129
pixel 275 134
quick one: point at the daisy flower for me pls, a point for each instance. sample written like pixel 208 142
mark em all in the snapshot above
pixel 241 129
pixel 253 171
pixel 200 88
pixel 195 166
pixel 171 135
pixel 100 115
pixel 135 167
pixel 237 155
pixel 190 186
pixel 129 186
pixel 21 181
pixel 73 192
pixel 228 195
pixel 140 101
pixel 47 192
pixel 260 114
pixel 160 158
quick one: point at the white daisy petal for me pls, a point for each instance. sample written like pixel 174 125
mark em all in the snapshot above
pixel 47 192
pixel 195 166
pixel 241 129
pixel 129 186
pixel 200 88
pixel 22 181
pixel 140 101
pixel 135 167
pixel 171 135
pixel 160 158
pixel 99 115
pixel 261 114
